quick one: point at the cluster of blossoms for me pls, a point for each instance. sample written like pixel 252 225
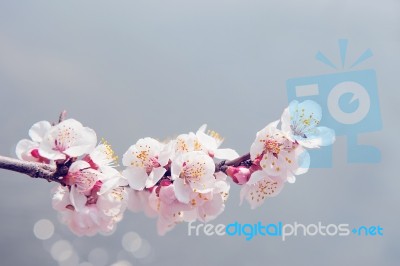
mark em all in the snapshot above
pixel 93 196
pixel 175 181
pixel 278 155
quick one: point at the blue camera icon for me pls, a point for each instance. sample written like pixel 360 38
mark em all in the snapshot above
pixel 350 106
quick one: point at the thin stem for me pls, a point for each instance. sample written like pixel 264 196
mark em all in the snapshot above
pixel 62 116
pixel 35 170
pixel 236 162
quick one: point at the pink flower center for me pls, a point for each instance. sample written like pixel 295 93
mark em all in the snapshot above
pixel 152 163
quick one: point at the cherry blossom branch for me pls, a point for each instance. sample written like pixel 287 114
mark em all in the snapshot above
pixel 177 181
pixel 35 170
pixel 223 165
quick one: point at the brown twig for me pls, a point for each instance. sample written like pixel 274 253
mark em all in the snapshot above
pixel 52 173
pixel 221 166
pixel 62 116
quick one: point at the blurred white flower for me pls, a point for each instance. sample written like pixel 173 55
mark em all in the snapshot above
pixel 138 200
pixel 90 213
pixel 207 206
pixel 169 209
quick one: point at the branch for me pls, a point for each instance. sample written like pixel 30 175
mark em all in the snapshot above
pixel 35 170
pixel 223 165
pixel 55 173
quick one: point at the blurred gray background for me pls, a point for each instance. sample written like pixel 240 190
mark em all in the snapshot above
pixel 130 69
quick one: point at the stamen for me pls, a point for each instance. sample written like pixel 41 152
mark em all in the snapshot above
pixel 110 154
pixel 215 135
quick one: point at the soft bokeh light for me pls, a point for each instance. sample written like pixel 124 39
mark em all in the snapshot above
pixel 143 251
pixel 85 263
pixel 61 250
pixel 131 241
pixel 98 256
pixel 70 261
pixel 43 229
pixel 121 263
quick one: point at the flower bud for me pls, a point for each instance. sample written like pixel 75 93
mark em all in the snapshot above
pixel 240 175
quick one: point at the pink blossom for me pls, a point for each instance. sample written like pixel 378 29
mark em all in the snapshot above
pixel 240 175
pixel 82 176
pixel 28 150
pixel 260 187
pixel 277 155
pixel 169 209
pixel 67 139
pixel 192 172
pixel 145 163
pixel 93 211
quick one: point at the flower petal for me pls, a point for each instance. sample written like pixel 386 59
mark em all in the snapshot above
pixel 209 143
pixel 140 201
pixel 327 135
pixel 226 154
pixel 256 149
pixel 202 129
pixel 256 177
pixel 67 138
pixel 285 121
pixel 165 154
pixel 211 209
pixel 155 176
pixel 176 167
pixel 46 150
pixel 303 161
pixel 24 148
pixel 109 184
pixel 182 191
pixel 256 194
pixel 291 179
pixel 136 177
pixel 78 165
pixel 77 199
pixel 205 185
pixel 39 130
pixel 322 136
pixel 243 193
pixel 85 143
pixel 61 198
pixel 302 112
